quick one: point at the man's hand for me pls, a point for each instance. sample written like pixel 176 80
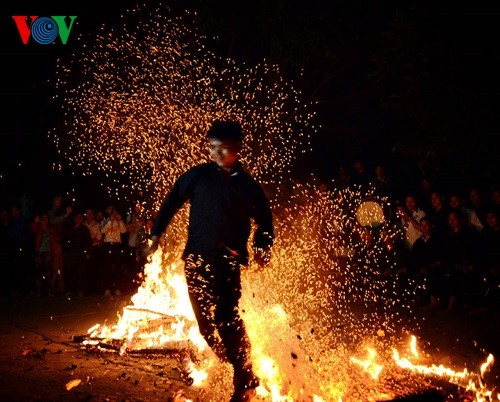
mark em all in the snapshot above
pixel 261 257
pixel 152 247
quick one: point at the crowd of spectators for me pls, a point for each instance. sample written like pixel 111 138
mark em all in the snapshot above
pixel 446 241
pixel 59 250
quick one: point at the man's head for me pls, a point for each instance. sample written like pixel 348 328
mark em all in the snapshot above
pixel 225 138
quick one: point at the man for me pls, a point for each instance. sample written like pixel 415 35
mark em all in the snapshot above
pixel 224 199
pixel 112 229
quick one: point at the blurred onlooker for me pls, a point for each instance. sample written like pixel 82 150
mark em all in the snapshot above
pixel 112 227
pixel 381 182
pixel 410 215
pixel 94 263
pixel 439 213
pixel 427 265
pixel 6 252
pixel 495 198
pixel 58 214
pixel 23 262
pixel 27 205
pixel 360 176
pixel 478 201
pixel 44 239
pixel 343 179
pixel 135 223
pixel 426 189
pixel 461 260
pixel 93 227
pixel 456 202
pixel 77 247
pixel 490 260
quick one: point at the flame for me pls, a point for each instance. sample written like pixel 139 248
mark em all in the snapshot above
pixel 160 313
pixel 470 381
pixel 369 364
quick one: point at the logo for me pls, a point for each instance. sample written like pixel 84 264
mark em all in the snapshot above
pixel 44 30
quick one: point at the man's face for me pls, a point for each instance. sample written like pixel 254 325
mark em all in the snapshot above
pixel 224 153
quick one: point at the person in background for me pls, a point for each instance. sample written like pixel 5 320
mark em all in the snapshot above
pixel 471 218
pixel 410 216
pixel 6 252
pixel 112 228
pixel 94 263
pixel 135 222
pixel 22 240
pixel 381 182
pixel 44 238
pixel 58 215
pixel 77 246
pixel 439 213
pixel 360 177
pixel 461 262
pixel 426 258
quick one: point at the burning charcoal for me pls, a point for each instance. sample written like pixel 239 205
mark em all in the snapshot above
pixel 72 384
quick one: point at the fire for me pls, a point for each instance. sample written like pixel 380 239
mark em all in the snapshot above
pixel 470 381
pixel 160 313
pixel 293 361
pixel 369 365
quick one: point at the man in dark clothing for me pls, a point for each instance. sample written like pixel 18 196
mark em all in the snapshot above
pixel 224 199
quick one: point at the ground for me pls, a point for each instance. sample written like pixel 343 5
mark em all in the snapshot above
pixel 39 356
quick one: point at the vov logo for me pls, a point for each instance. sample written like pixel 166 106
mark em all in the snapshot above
pixel 44 30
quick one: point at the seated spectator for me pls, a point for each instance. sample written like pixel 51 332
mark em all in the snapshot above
pixel 461 257
pixel 410 215
pixel 427 265
pixel 490 261
pixel 471 218
pixel 439 213
pixel 360 178
pixel 343 179
pixel 478 201
pixel 381 182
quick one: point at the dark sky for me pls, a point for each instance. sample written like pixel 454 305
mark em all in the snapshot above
pixel 26 154
pixel 450 54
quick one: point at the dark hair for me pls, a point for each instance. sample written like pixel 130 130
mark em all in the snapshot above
pixel 226 130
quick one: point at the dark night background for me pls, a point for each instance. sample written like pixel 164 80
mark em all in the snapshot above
pixel 411 85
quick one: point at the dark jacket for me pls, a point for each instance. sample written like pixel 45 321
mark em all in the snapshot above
pixel 221 209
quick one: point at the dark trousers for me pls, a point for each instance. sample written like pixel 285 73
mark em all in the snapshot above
pixel 113 268
pixel 75 273
pixel 214 290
